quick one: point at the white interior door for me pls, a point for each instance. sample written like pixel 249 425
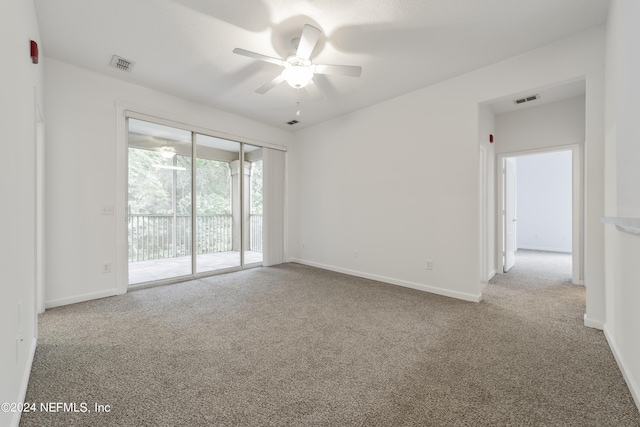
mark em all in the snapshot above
pixel 510 219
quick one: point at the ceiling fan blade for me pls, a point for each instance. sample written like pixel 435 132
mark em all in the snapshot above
pixel 308 40
pixel 339 70
pixel 270 85
pixel 258 56
pixel 313 91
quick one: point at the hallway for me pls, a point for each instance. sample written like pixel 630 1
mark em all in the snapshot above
pixel 537 268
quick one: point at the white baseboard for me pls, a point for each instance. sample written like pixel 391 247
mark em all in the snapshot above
pixel 432 289
pixel 79 298
pixel 634 388
pixel 492 273
pixel 546 249
pixel 15 421
pixel 590 323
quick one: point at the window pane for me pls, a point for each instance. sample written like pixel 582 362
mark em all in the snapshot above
pixel 217 188
pixel 253 204
pixel 159 181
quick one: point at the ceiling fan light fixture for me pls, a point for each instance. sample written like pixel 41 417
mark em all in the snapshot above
pixel 167 153
pixel 298 76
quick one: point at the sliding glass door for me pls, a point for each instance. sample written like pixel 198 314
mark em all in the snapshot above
pixel 188 218
pixel 217 189
pixel 253 204
pixel 159 202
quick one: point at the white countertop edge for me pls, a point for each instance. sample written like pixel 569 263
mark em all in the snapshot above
pixel 629 225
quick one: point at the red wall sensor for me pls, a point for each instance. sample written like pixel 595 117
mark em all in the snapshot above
pixel 491 138
pixel 34 52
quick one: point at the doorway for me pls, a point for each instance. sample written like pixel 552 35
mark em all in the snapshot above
pixel 539 194
pixel 189 217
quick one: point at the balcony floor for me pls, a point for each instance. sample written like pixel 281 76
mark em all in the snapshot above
pixel 168 268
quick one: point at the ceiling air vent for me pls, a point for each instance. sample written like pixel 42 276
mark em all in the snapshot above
pixel 121 63
pixel 526 99
pixel 292 122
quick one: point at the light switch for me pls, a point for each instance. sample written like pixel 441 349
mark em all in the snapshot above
pixel 106 210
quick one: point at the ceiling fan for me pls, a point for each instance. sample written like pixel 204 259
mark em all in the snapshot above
pixel 298 69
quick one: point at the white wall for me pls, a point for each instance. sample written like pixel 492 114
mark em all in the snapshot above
pixel 545 126
pixel 20 86
pixel 82 171
pixel 544 199
pixel 487 127
pixel 622 327
pixel 397 182
pixel 627 123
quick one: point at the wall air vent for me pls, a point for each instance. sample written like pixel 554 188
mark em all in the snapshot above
pixel 292 122
pixel 121 63
pixel 526 99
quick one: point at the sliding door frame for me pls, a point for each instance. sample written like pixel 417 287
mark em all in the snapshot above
pixel 124 111
pixel 194 206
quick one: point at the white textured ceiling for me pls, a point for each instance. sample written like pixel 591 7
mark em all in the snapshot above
pixel 184 47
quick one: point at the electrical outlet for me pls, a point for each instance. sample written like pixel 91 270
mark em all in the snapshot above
pixel 19 337
pixel 106 268
pixel 429 264
pixel 19 341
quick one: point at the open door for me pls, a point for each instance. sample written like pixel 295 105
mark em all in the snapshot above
pixel 509 213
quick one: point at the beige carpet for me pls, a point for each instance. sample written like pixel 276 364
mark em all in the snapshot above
pixel 298 346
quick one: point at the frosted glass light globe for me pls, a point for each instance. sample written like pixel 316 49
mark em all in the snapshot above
pixel 297 75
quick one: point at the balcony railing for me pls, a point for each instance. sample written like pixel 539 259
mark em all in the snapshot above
pixel 169 236
pixel 255 233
